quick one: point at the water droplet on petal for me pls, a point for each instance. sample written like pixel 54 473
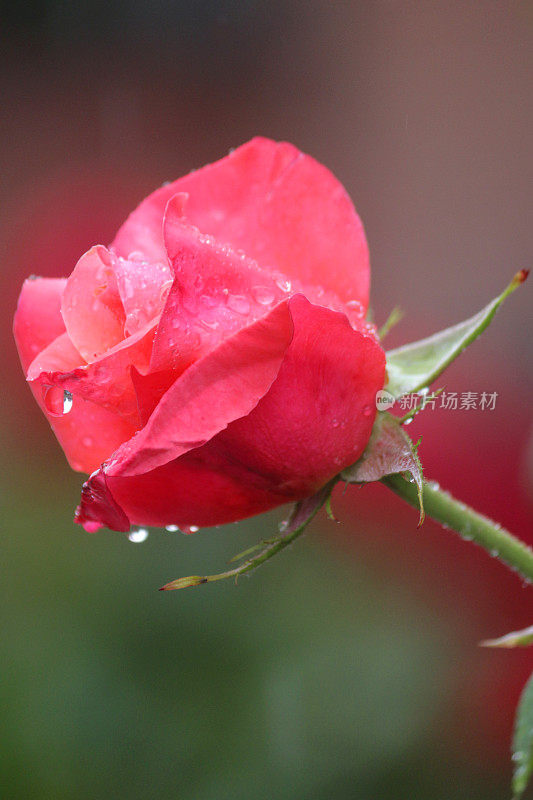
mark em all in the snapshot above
pixel 171 528
pixel 57 401
pixel 355 305
pixel 138 535
pixel 239 304
pixel 87 441
pixel 136 255
pixel 284 284
pixel 189 529
pixel 367 410
pixel 263 295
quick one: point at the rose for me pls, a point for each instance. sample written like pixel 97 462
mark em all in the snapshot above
pixel 214 360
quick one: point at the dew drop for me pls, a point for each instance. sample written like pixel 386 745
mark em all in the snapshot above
pixel 355 305
pixel 138 535
pixel 367 410
pixel 335 423
pixel 239 304
pixel 284 284
pixel 188 529
pixel 136 255
pixel 165 289
pixel 57 401
pixel 171 528
pixel 87 441
pixel 263 295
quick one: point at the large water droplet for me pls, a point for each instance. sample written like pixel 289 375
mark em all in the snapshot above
pixel 263 295
pixel 138 535
pixel 239 304
pixel 57 401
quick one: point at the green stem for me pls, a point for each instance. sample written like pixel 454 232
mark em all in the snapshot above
pixel 453 514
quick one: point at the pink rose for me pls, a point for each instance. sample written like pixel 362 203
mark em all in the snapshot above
pixel 214 361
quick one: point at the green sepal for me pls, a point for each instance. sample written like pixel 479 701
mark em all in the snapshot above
pixel 389 451
pixel 301 515
pixel 522 638
pixel 522 749
pixel 415 366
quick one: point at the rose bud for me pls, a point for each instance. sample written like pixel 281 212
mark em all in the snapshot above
pixel 214 361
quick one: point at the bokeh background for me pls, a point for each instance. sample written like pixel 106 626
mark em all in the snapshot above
pixel 349 667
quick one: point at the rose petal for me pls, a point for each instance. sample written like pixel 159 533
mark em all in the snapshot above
pixel 88 433
pixel 278 205
pixel 106 381
pixel 314 421
pixel 91 306
pixel 143 288
pixel 216 292
pixel 38 319
pixel 224 385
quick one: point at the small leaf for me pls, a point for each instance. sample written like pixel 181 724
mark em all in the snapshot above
pixel 301 515
pixel 414 366
pixel 522 638
pixel 389 451
pixel 522 748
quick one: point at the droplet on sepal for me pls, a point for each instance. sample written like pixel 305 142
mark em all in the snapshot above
pixel 57 401
pixel 138 535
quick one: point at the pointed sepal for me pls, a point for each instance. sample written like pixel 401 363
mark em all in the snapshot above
pixel 522 749
pixel 301 515
pixel 415 366
pixel 389 451
pixel 523 638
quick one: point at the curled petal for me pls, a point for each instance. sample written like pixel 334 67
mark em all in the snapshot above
pixel 217 389
pixel 279 206
pixel 91 306
pixel 106 381
pixel 216 292
pixel 38 319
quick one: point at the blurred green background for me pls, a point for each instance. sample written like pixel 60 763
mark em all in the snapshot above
pixel 315 678
pixel 348 667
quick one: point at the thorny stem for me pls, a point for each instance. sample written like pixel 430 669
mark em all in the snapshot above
pixel 451 513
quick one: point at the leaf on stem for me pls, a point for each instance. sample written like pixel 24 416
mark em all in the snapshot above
pixel 522 638
pixel 301 515
pixel 415 365
pixel 389 451
pixel 522 748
